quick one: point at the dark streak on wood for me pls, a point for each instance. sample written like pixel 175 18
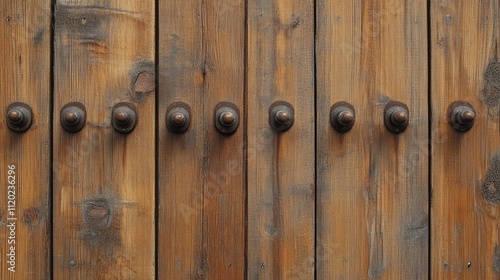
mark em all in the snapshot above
pixel 82 21
pixel 490 188
pixel 491 89
pixel 496 259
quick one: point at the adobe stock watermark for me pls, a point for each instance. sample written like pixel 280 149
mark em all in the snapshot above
pixel 11 218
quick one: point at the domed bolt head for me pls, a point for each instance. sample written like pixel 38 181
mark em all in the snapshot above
pixel 227 118
pixel 466 117
pixel 461 116
pixel 71 118
pixel 282 117
pixel 346 118
pixel 399 117
pixel 178 119
pixel 15 116
pixel 396 116
pixel 19 117
pixel 122 118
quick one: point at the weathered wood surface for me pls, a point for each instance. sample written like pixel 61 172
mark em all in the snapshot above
pixel 201 173
pixel 25 77
pixel 465 165
pixel 372 186
pixel 281 183
pixel 104 181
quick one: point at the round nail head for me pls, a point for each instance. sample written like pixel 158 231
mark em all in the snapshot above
pixel 342 116
pixel 461 116
pixel 282 117
pixel 178 119
pixel 346 118
pixel 227 118
pixel 467 116
pixel 19 117
pixel 396 116
pixel 124 117
pixel 15 116
pixel 71 118
pixel 400 117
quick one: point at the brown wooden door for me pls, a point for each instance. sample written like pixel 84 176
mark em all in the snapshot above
pixel 212 139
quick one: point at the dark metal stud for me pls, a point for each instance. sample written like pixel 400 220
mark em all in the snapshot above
pixel 396 116
pixel 281 116
pixel 342 116
pixel 178 117
pixel 124 117
pixel 227 118
pixel 73 116
pixel 461 115
pixel 19 117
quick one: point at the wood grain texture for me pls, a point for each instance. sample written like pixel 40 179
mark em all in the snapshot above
pixel 201 218
pixel 25 77
pixel 372 185
pixel 465 166
pixel 104 181
pixel 280 165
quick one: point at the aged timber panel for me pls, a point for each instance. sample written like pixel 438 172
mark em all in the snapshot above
pixel 465 165
pixel 372 185
pixel 24 157
pixel 201 190
pixel 280 164
pixel 104 180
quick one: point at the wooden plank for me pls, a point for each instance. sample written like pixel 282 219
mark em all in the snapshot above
pixel 465 165
pixel 25 77
pixel 201 218
pixel 104 181
pixel 281 167
pixel 372 185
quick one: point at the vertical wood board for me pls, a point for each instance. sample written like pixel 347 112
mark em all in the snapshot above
pixel 104 182
pixel 25 163
pixel 372 185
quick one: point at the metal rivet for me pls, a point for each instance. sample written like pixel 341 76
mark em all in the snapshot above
pixel 19 117
pixel 73 116
pixel 72 263
pixel 281 116
pixel 178 117
pixel 226 118
pixel 396 116
pixel 461 115
pixel 124 117
pixel 342 116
